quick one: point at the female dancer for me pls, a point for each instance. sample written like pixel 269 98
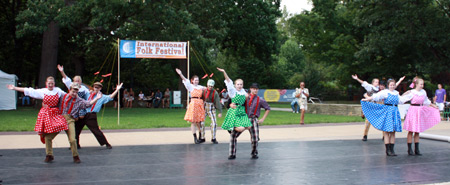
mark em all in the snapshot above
pixel 196 111
pixel 384 117
pixel 236 119
pixel 49 122
pixel 420 116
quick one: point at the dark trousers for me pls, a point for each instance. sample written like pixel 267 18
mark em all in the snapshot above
pixel 254 136
pixel 90 120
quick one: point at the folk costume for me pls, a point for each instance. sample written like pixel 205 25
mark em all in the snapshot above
pixel 370 90
pixel 420 116
pixel 236 117
pixel 253 106
pixel 49 122
pixel 212 103
pixel 90 120
pixel 195 112
pixel 83 93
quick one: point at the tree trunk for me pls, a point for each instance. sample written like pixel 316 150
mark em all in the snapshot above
pixel 49 57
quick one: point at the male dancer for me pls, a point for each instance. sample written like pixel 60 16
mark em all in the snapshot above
pixel 212 103
pixel 70 105
pixel 82 93
pixel 90 120
pixel 371 89
pixel 253 106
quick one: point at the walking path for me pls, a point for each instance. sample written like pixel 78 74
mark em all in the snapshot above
pixel 309 132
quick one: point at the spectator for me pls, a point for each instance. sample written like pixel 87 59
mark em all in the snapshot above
pixel 149 99
pixel 157 99
pixel 126 95
pixel 130 98
pixel 166 99
pixel 225 98
pixel 116 97
pixel 141 95
pixel 440 97
pixel 295 103
pixel 302 94
pixel 25 98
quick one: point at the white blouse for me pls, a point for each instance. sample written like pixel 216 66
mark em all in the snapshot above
pixel 369 87
pixel 384 94
pixel 410 95
pixel 232 90
pixel 39 93
pixel 190 87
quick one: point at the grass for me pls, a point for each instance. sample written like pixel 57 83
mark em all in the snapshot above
pixel 24 119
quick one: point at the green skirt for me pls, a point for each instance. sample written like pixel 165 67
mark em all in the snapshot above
pixel 236 118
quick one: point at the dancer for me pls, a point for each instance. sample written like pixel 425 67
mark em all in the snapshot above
pixel 195 112
pixel 384 117
pixel 49 121
pixel 370 90
pixel 212 103
pixel 90 120
pixel 253 106
pixel 82 93
pixel 421 115
pixel 70 105
pixel 236 120
pixel 302 94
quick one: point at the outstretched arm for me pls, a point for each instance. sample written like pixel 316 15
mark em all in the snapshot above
pixel 117 90
pixel 224 74
pixel 399 81
pixel 357 79
pixel 181 74
pixel 12 87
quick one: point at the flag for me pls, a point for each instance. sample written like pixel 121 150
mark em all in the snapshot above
pixel 212 74
pixel 96 73
pixel 205 76
pixel 109 74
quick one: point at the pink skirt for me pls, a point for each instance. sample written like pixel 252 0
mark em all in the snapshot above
pixel 421 118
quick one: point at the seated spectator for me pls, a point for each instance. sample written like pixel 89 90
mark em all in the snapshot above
pixel 116 98
pixel 149 99
pixel 157 99
pixel 25 99
pixel 126 96
pixel 224 98
pixel 166 99
pixel 141 95
pixel 130 98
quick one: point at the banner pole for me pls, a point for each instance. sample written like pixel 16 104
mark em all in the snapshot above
pixel 188 77
pixel 118 81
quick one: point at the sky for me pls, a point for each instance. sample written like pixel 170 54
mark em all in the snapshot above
pixel 296 6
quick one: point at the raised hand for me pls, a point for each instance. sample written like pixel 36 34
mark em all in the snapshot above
pixel 178 71
pixel 119 86
pixel 355 76
pixel 60 68
pixel 221 70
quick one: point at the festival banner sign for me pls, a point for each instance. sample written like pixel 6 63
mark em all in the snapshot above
pixel 152 49
pixel 277 95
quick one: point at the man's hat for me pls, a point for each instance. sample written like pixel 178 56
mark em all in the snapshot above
pixel 75 85
pixel 211 82
pixel 254 85
pixel 98 84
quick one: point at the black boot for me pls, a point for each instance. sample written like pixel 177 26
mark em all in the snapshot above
pixel 388 149
pixel 200 140
pixel 410 152
pixel 417 149
pixel 392 150
pixel 214 141
pixel 195 139
pixel 364 138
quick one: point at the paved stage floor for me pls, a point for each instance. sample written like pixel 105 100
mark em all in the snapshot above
pixel 290 162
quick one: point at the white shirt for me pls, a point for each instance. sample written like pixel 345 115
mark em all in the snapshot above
pixel 409 96
pixel 39 93
pixel 232 90
pixel 299 91
pixel 384 94
pixel 68 82
pixel 190 87
pixel 369 87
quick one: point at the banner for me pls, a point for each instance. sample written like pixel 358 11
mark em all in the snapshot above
pixel 152 49
pixel 277 95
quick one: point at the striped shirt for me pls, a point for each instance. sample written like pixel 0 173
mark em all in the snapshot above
pixel 67 103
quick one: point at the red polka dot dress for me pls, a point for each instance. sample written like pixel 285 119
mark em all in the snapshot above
pixel 49 119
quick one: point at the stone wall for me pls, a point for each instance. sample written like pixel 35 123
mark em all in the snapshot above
pixel 335 109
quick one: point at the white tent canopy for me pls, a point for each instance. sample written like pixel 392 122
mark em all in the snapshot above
pixel 8 97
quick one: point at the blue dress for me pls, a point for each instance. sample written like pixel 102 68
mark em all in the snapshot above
pixel 384 117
